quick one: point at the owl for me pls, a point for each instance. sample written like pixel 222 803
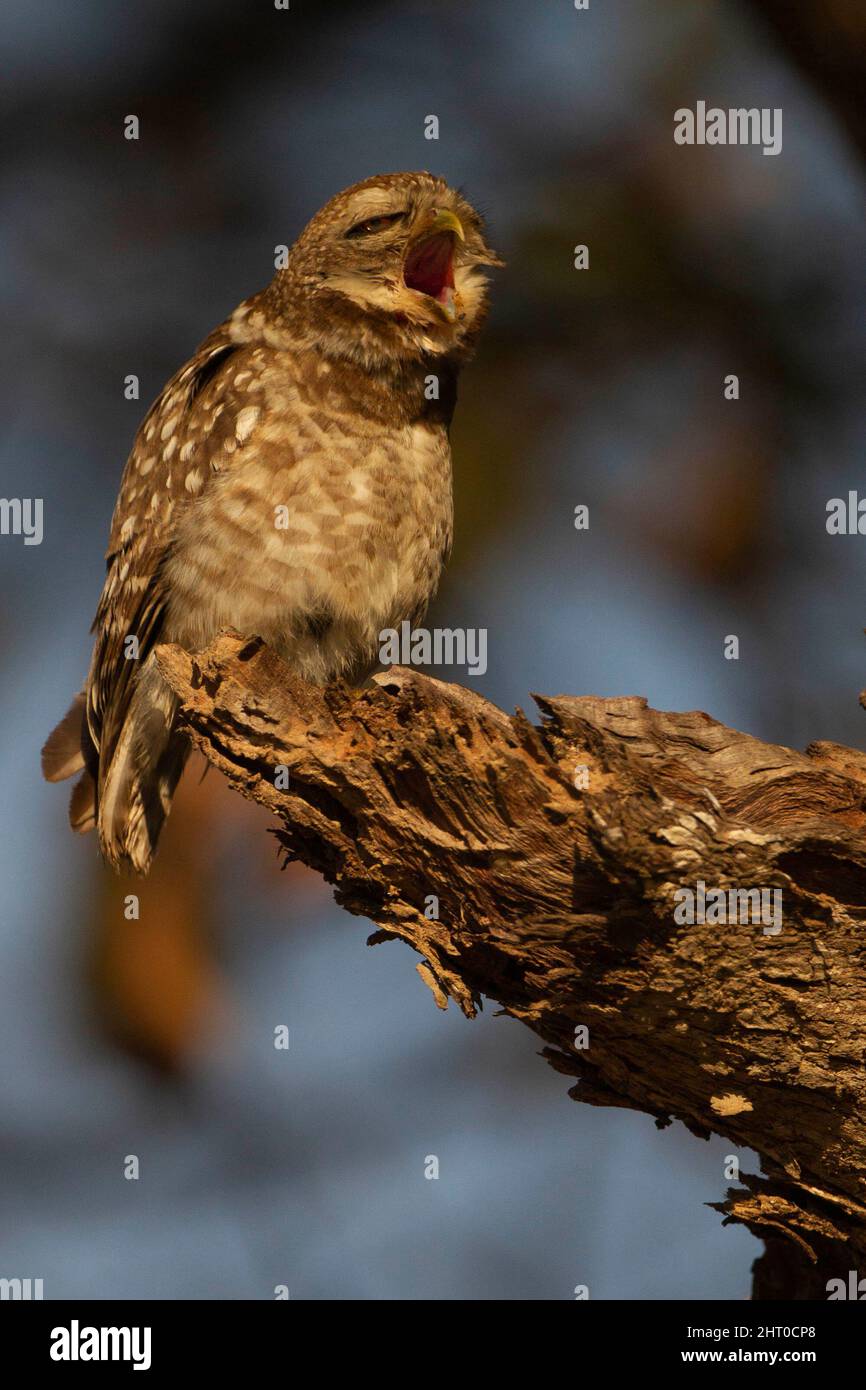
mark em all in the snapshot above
pixel 292 482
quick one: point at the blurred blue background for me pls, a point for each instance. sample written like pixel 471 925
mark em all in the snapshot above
pixel 154 1038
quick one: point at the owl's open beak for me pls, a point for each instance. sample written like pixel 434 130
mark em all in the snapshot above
pixel 429 263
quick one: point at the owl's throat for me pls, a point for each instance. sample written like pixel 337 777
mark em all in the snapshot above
pixel 429 269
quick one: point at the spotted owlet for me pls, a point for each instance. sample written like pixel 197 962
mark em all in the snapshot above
pixel 292 481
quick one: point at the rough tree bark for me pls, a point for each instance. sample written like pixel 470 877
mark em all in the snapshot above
pixel 557 901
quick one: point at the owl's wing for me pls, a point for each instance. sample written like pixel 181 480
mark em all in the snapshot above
pixel 153 489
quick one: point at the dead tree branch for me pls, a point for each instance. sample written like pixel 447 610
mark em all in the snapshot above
pixel 557 900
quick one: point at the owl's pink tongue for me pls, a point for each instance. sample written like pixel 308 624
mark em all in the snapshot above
pixel 429 268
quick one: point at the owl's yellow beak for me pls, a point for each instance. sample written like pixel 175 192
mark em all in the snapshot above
pixel 445 221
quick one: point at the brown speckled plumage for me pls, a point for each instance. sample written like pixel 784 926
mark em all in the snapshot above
pixel 292 481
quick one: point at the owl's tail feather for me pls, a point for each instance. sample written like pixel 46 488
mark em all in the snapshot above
pixel 136 790
pixel 63 755
pixel 82 804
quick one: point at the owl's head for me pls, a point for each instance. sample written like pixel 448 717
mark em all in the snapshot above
pixel 391 268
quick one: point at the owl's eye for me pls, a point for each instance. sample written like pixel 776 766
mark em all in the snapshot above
pixel 375 224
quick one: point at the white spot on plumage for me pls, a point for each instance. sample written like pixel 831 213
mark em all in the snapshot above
pixel 246 422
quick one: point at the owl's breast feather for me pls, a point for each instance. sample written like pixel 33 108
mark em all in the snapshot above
pixel 316 540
